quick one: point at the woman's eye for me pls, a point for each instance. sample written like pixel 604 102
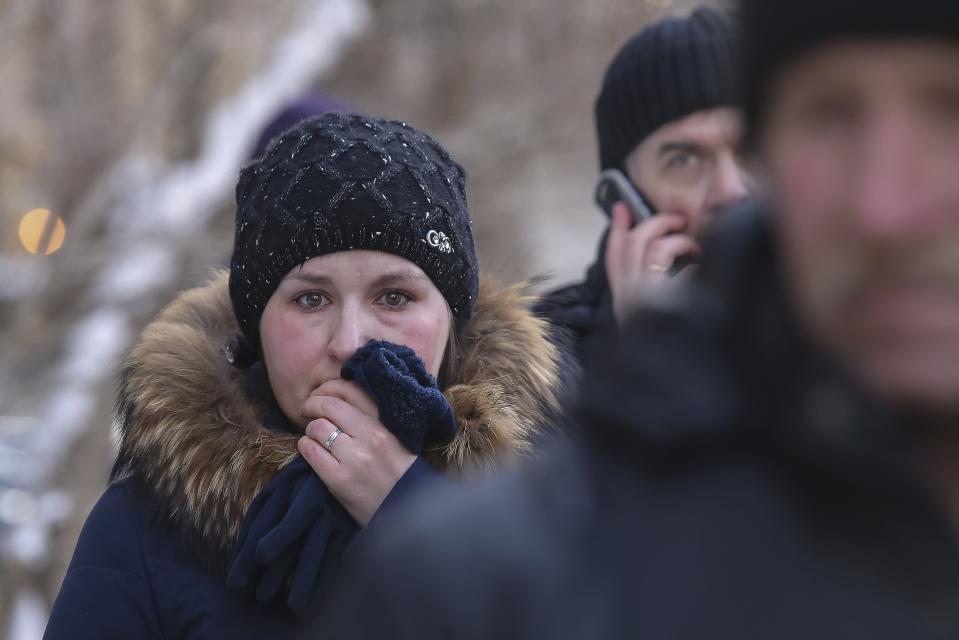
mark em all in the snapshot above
pixel 393 299
pixel 311 300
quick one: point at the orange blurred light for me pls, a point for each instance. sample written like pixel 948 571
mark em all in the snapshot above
pixel 32 226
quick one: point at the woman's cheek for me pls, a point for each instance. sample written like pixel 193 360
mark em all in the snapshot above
pixel 427 336
pixel 285 341
pixel 289 361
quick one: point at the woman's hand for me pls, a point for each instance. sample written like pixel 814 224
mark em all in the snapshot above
pixel 349 392
pixel 639 259
pixel 365 460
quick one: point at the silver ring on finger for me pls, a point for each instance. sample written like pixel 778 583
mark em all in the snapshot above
pixel 657 268
pixel 328 445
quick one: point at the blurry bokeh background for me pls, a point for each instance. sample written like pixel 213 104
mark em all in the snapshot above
pixel 122 127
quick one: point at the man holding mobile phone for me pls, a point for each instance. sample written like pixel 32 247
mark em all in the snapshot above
pixel 665 120
pixel 774 454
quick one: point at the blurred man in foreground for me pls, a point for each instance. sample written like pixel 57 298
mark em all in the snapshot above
pixel 775 452
pixel 666 121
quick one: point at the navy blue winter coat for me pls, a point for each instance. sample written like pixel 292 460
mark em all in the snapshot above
pixel 199 444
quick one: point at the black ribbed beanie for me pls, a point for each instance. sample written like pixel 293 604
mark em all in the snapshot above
pixel 775 33
pixel 670 69
pixel 339 182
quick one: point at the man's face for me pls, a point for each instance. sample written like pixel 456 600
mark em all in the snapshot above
pixel 692 167
pixel 862 149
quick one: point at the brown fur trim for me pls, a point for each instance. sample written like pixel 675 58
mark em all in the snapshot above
pixel 503 386
pixel 190 432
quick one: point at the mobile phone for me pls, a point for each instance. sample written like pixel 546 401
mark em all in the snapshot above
pixel 615 187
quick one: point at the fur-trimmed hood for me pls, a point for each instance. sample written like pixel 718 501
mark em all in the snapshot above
pixel 191 433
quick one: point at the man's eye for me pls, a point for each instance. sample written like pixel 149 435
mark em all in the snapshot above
pixel 393 299
pixel 683 160
pixel 943 106
pixel 311 300
pixel 831 113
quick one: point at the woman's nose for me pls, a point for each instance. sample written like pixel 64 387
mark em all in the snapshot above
pixel 349 334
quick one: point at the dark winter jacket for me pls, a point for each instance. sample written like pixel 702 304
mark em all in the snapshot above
pixel 195 451
pixel 735 484
pixel 581 315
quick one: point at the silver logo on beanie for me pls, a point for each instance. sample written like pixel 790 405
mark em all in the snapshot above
pixel 439 241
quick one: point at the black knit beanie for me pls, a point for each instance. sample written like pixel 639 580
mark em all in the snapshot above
pixel 775 33
pixel 340 182
pixel 670 69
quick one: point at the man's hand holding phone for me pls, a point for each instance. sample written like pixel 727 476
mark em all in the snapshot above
pixel 643 248
pixel 639 258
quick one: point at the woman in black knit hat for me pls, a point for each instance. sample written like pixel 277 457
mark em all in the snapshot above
pixel 351 354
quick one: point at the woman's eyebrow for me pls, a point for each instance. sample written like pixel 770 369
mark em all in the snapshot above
pixel 311 278
pixel 396 277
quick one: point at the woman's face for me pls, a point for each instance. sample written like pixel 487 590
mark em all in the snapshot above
pixel 327 308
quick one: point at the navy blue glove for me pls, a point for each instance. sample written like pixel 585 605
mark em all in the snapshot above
pixel 293 527
pixel 411 404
